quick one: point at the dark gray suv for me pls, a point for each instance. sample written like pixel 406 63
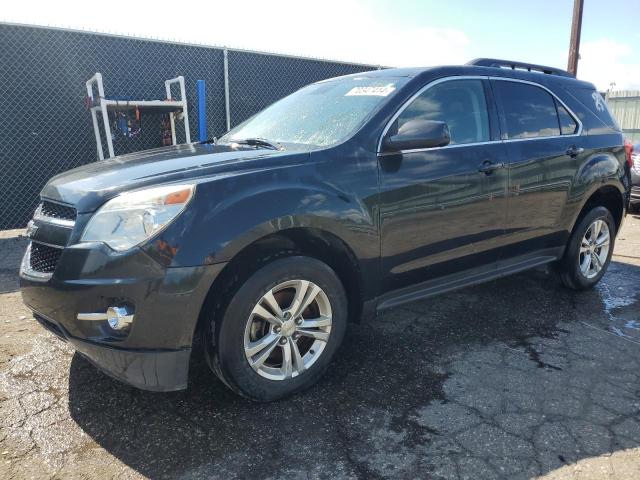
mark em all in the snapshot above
pixel 352 195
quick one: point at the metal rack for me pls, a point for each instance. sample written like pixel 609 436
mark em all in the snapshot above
pixel 496 62
pixel 104 105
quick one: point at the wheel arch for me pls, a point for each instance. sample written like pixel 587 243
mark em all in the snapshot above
pixel 307 241
pixel 609 196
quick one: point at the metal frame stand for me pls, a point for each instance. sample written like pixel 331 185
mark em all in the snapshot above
pixel 103 105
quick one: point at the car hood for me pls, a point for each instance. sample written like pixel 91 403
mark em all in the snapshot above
pixel 89 186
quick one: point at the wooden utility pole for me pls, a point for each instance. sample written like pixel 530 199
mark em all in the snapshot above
pixel 574 45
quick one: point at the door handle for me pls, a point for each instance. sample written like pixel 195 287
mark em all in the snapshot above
pixel 488 167
pixel 574 151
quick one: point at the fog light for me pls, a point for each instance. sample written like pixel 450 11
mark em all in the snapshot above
pixel 119 318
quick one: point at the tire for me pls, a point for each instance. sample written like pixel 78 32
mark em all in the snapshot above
pixel 571 267
pixel 240 335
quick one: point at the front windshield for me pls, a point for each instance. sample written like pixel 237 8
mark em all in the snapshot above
pixel 321 114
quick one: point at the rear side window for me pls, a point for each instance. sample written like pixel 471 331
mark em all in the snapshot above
pixel 461 104
pixel 596 104
pixel 528 111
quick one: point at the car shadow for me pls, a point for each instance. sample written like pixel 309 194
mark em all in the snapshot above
pixel 387 368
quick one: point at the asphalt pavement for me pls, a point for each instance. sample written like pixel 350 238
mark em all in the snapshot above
pixel 516 378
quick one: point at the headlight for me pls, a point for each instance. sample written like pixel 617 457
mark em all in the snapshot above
pixel 131 218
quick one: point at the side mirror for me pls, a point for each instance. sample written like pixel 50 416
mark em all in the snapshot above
pixel 418 134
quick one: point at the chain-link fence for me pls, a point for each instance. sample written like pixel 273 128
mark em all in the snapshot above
pixel 45 128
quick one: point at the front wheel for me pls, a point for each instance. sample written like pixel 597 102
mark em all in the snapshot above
pixel 589 250
pixel 280 330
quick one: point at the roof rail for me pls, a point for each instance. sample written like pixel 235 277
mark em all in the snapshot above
pixel 494 62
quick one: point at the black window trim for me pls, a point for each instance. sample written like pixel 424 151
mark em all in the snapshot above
pixel 557 103
pixel 408 102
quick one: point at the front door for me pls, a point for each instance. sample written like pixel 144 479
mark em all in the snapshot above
pixel 442 210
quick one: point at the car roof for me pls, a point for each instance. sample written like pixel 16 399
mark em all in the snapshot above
pixel 429 73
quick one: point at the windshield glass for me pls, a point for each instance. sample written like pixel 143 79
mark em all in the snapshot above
pixel 321 114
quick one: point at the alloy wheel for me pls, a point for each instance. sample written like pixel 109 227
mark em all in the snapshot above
pixel 288 330
pixel 594 248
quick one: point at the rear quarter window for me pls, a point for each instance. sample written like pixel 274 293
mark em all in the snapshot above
pixel 596 104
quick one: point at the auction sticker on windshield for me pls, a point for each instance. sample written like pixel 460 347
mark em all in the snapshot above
pixel 381 91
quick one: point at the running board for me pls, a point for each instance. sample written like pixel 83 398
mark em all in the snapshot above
pixel 458 280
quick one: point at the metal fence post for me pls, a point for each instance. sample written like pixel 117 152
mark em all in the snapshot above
pixel 227 108
pixel 202 110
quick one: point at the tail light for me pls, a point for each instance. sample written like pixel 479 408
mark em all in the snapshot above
pixel 628 149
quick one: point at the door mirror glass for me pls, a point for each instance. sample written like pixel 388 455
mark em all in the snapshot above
pixel 418 133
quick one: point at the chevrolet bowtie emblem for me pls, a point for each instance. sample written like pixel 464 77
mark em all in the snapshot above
pixel 31 229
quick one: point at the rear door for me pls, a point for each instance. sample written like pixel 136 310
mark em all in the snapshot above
pixel 544 147
pixel 442 210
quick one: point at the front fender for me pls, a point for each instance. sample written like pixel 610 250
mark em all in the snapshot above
pixel 229 214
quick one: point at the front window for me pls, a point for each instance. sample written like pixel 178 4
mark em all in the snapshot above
pixel 461 104
pixel 321 114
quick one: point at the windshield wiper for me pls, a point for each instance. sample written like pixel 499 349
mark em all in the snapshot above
pixel 259 142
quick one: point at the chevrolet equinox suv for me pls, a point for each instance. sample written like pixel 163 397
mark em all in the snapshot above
pixel 352 195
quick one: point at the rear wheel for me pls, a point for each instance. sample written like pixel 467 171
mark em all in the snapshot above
pixel 589 250
pixel 280 330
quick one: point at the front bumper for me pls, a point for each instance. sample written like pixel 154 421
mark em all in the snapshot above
pixel 160 371
pixel 154 353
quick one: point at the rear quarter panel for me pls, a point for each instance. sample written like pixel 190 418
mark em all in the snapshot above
pixel 603 162
pixel 603 165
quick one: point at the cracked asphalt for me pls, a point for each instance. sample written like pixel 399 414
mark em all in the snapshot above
pixel 516 378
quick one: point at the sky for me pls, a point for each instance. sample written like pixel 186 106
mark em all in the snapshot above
pixel 382 32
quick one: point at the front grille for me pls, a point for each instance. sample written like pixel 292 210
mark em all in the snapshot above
pixel 57 210
pixel 44 258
